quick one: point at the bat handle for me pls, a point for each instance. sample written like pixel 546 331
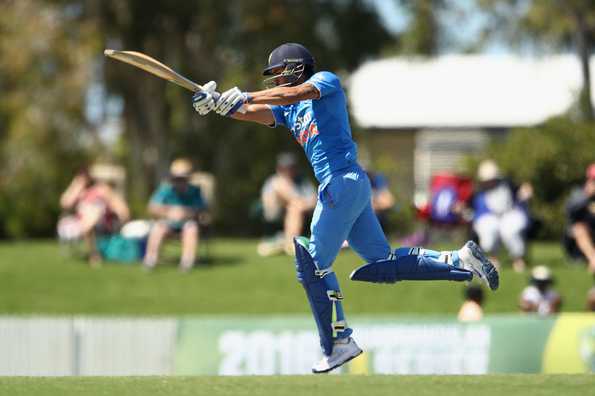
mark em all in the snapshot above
pixel 217 95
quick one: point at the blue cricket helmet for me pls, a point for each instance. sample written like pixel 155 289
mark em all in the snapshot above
pixel 294 58
pixel 288 53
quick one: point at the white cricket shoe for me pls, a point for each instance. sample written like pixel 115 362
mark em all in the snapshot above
pixel 475 260
pixel 343 351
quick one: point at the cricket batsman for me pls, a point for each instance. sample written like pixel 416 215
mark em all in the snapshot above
pixel 313 106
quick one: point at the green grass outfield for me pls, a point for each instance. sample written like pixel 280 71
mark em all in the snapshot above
pixel 497 385
pixel 37 278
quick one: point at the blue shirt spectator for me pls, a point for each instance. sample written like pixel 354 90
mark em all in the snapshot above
pixel 167 194
pixel 176 205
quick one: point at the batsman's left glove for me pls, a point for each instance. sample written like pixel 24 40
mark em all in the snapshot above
pixel 203 101
pixel 231 101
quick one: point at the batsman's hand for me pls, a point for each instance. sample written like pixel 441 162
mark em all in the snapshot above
pixel 231 101
pixel 203 101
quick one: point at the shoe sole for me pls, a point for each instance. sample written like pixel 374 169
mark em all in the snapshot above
pixel 490 273
pixel 339 364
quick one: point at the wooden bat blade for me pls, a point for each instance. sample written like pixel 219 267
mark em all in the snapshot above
pixel 152 66
pixel 158 69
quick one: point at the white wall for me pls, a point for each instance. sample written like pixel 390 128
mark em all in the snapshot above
pixel 77 346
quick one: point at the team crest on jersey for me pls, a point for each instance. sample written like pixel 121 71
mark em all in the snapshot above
pixel 304 128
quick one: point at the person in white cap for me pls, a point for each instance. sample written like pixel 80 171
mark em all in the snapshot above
pixel 500 213
pixel 540 297
pixel 176 206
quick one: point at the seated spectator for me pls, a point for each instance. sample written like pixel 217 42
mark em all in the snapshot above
pixel 472 310
pixel 382 198
pixel 444 210
pixel 176 206
pixel 579 238
pixel 501 213
pixel 591 299
pixel 540 297
pixel 98 209
pixel 287 198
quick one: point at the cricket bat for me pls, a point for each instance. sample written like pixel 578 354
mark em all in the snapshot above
pixel 153 66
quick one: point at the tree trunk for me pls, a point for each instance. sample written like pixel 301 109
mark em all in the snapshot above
pixel 583 48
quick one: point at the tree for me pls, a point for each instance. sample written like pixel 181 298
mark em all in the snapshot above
pixel 561 149
pixel 49 63
pixel 423 33
pixel 228 42
pixel 561 23
pixel 44 70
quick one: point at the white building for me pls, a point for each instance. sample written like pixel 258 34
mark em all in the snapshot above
pixel 426 114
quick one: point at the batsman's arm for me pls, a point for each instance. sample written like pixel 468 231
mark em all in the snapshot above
pixel 258 110
pixel 285 95
pixel 259 113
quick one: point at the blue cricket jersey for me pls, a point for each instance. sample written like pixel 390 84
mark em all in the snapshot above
pixel 321 127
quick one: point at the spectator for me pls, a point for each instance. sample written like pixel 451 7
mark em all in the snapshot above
pixel 579 238
pixel 471 310
pixel 176 205
pixel 287 198
pixel 539 296
pixel 382 198
pixel 98 209
pixel 501 213
pixel 591 299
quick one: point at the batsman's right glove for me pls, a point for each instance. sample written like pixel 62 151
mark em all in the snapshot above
pixel 203 101
pixel 231 101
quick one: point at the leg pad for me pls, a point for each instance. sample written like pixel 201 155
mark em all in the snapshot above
pixel 324 296
pixel 409 267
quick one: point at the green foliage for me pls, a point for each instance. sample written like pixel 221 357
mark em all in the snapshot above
pixel 51 51
pixel 228 42
pixel 423 34
pixel 44 69
pixel 567 25
pixel 553 157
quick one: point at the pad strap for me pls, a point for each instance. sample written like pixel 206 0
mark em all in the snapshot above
pixel 323 292
pixel 409 267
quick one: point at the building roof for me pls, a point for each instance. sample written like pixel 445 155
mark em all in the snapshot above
pixel 464 91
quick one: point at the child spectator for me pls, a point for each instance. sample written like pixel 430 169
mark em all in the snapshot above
pixel 540 297
pixel 472 310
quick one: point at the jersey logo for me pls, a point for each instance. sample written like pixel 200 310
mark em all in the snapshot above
pixel 304 128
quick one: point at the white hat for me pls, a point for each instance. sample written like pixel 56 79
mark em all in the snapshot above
pixel 107 172
pixel 541 273
pixel 488 170
pixel 181 167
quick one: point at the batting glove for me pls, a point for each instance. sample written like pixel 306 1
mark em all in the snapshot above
pixel 231 101
pixel 203 100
